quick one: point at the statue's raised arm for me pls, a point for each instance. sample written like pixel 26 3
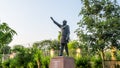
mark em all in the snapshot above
pixel 59 25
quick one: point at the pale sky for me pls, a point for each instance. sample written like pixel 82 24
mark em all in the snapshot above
pixel 31 18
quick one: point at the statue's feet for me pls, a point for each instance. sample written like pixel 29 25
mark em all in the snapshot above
pixel 60 55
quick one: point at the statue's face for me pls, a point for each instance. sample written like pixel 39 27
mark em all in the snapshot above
pixel 64 22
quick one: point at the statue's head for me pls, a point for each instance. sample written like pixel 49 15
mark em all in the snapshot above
pixel 64 22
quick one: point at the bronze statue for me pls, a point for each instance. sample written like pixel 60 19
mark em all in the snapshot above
pixel 65 32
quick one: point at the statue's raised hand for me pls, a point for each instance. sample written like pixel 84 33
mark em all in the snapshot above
pixel 52 18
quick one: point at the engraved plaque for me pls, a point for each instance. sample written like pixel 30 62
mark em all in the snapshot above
pixel 56 64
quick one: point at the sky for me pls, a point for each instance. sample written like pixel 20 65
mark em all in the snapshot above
pixel 31 18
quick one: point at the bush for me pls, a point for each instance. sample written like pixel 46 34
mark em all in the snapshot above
pixel 82 62
pixel 118 55
pixel 45 62
pixel 96 62
pixel 6 64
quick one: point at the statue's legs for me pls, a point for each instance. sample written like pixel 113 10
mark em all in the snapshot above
pixel 66 49
pixel 62 48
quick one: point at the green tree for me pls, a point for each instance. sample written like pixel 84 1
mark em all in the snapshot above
pixel 21 58
pixel 24 57
pixel 31 57
pixel 99 27
pixel 43 45
pixel 47 44
pixel 55 45
pixel 5 49
pixel 6 34
pixel 73 45
pixel 37 56
pixel 18 48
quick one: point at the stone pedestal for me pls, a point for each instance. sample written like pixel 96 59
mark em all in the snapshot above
pixel 62 62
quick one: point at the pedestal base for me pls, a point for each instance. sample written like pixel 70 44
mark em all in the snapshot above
pixel 62 62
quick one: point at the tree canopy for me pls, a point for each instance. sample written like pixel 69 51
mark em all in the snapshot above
pixel 6 36
pixel 99 27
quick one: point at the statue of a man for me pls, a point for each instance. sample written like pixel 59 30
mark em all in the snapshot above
pixel 65 32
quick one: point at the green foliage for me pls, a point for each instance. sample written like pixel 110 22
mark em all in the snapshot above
pixel 5 49
pixel 27 58
pixel 6 64
pixel 6 34
pixel 73 45
pixel 99 26
pixel 47 44
pixel 118 55
pixel 55 45
pixel 82 62
pixel 96 62
pixel 108 55
pixel 0 60
pixel 31 65
pixel 18 48
pixel 22 59
pixel 45 62
pixel 37 55
pixel 59 35
pixel 23 56
pixel 88 62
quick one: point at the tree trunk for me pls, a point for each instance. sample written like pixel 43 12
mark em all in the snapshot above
pixel 103 58
pixel 38 63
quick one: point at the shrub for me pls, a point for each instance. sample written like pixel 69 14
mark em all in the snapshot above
pixel 45 62
pixel 96 62
pixel 6 64
pixel 82 62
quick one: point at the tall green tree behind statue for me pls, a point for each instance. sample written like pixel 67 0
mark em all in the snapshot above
pixel 99 27
pixel 6 34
